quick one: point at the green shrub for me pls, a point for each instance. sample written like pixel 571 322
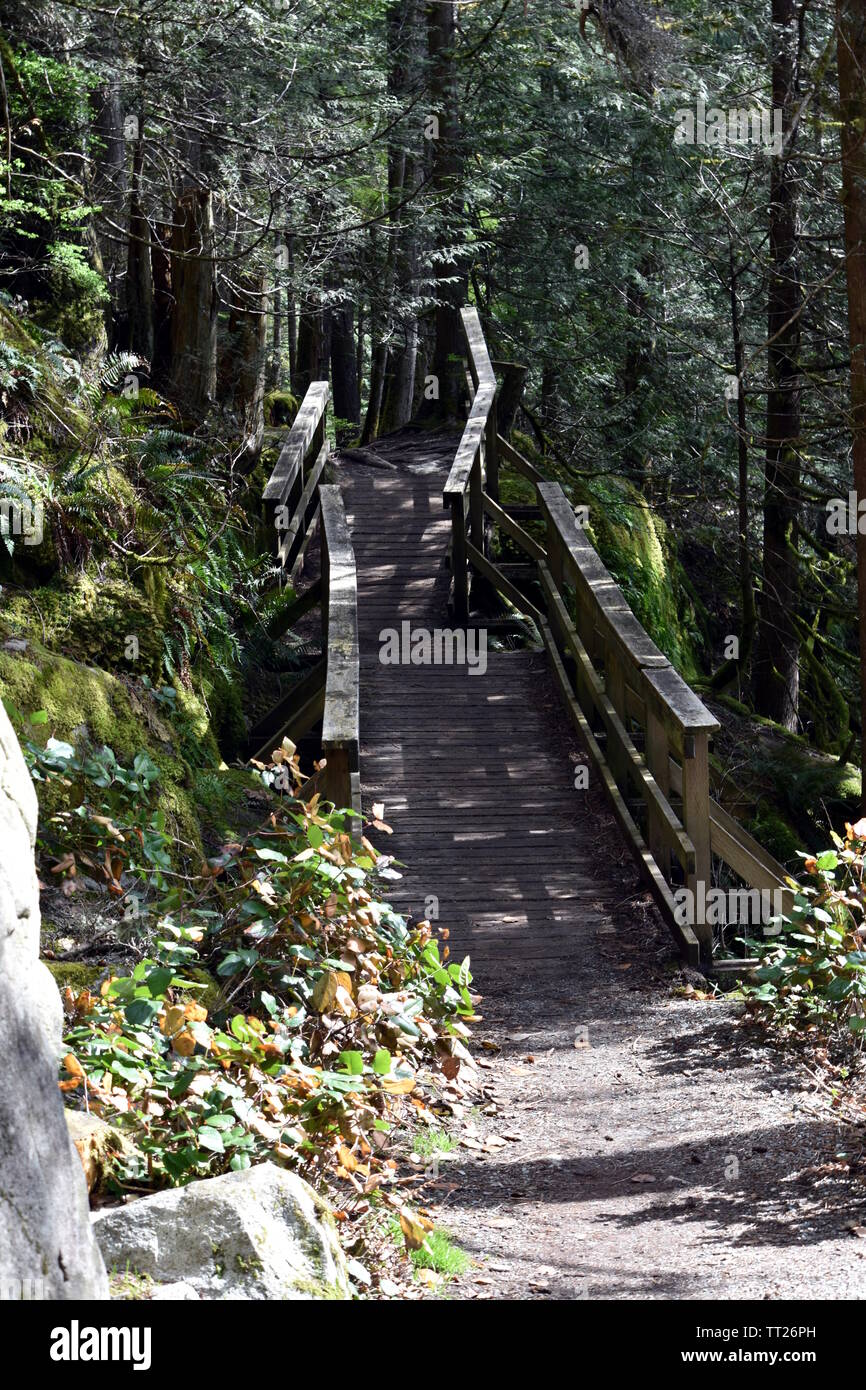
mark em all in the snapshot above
pixel 338 1010
pixel 813 974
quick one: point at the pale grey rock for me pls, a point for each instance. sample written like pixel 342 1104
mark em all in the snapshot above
pixel 258 1234
pixel 180 1292
pixel 45 1237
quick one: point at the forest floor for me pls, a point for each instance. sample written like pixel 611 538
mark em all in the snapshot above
pixel 644 1140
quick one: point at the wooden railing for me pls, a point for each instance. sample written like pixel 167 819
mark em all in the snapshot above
pixel 295 499
pixel 646 732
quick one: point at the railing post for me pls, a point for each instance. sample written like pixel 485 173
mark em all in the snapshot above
pixel 492 458
pixel 326 586
pixel 658 762
pixel 476 499
pixel 555 554
pixel 458 558
pixel 696 819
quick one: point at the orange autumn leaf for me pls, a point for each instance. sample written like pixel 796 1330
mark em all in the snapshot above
pixel 183 1044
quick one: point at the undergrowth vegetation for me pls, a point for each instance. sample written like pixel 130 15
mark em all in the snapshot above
pixel 811 981
pixel 332 1014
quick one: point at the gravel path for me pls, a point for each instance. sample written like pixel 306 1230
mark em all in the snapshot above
pixel 665 1152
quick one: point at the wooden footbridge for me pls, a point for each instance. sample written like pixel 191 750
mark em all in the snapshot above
pixel 473 766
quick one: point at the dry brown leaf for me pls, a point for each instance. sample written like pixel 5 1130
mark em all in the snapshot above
pixel 326 992
pixel 414 1228
pixel 398 1086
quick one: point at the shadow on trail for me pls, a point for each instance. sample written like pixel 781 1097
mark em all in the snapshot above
pixel 777 1183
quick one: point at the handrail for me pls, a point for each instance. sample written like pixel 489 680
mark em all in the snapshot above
pixel 475 464
pixel 295 499
pixel 647 733
pixel 340 723
pixel 290 496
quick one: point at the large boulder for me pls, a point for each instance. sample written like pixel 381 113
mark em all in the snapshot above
pixel 258 1234
pixel 46 1244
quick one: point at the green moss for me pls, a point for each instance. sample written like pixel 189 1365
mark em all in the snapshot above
pixel 51 417
pixel 225 707
pixel 93 621
pixel 811 792
pixel 85 703
pixel 776 834
pixel 221 799
pixel 73 974
pixel 280 408
pixel 637 549
pixel 194 730
pixel 316 1288
pixel 75 311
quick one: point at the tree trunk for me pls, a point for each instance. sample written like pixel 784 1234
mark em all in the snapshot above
pixel 777 664
pixel 344 370
pixel 291 311
pixel 243 364
pixel 139 282
pixel 274 365
pixel 194 318
pixel 314 349
pixel 110 181
pixel 447 366
pixel 163 303
pixel 399 384
pixel 378 367
pixel 733 667
pixel 514 376
pixel 851 51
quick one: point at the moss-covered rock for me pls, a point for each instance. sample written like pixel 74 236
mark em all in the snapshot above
pixel 281 407
pixel 225 708
pixel 51 417
pixel 106 622
pixel 787 793
pixel 75 975
pixel 86 704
